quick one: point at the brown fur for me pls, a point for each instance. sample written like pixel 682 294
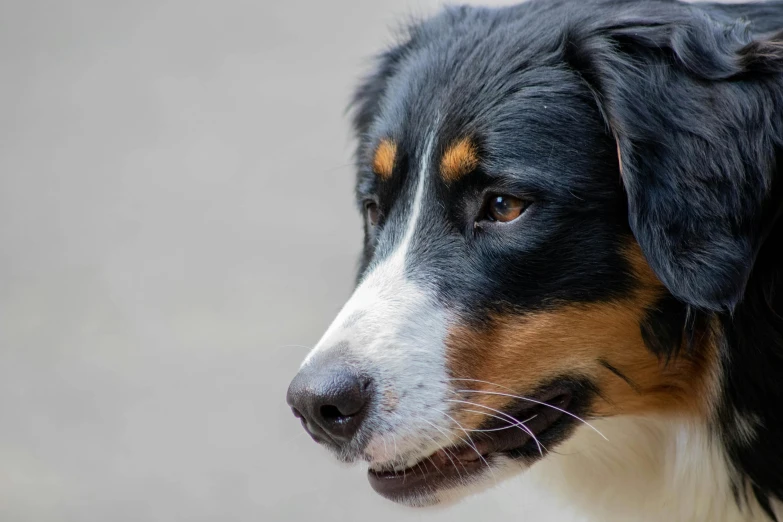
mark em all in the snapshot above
pixel 459 159
pixel 520 352
pixel 383 160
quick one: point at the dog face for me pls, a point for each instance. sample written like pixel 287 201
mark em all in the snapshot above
pixel 513 284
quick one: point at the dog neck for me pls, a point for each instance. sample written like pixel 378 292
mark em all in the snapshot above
pixel 650 469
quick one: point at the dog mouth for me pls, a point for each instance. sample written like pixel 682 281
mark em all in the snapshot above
pixel 521 433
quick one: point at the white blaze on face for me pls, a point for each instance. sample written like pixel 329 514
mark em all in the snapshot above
pixel 394 330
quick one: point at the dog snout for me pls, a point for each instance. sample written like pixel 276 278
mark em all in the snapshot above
pixel 331 400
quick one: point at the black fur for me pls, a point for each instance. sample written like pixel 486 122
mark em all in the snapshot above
pixel 663 326
pixel 693 97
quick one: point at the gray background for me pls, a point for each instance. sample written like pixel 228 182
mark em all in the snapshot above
pixel 176 228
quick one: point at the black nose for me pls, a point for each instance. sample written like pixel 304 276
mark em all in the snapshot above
pixel 330 399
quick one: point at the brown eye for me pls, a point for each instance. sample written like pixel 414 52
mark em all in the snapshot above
pixel 372 212
pixel 505 208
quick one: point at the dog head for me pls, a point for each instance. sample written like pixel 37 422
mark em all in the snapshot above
pixel 550 192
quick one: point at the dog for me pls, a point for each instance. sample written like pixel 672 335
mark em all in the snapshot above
pixel 572 262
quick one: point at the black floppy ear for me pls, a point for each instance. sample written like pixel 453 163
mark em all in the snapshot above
pixel 696 107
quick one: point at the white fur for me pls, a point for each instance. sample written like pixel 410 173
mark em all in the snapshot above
pixel 395 332
pixel 652 469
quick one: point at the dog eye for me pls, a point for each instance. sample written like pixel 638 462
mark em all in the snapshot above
pixel 372 212
pixel 504 208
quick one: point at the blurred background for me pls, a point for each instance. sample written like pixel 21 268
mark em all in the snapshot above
pixel 177 227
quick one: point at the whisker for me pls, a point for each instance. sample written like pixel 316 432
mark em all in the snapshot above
pixel 386 449
pixel 517 424
pixel 445 450
pixel 526 399
pixel 472 444
pixel 396 454
pixel 527 430
pixel 510 426
pixel 424 475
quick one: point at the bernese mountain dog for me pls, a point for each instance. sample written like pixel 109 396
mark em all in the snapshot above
pixel 572 263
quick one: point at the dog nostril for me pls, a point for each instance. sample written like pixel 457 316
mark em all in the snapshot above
pixel 332 413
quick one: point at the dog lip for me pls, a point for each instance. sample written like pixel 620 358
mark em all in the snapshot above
pixel 425 477
pixel 452 466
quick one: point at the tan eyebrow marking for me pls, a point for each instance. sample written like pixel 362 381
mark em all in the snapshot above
pixel 383 160
pixel 460 159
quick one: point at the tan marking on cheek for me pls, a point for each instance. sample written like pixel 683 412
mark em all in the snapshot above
pixel 523 352
pixel 383 160
pixel 460 159
pixel 687 384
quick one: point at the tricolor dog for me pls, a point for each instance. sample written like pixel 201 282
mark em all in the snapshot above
pixel 573 262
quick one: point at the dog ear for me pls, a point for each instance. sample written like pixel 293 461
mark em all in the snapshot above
pixel 696 108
